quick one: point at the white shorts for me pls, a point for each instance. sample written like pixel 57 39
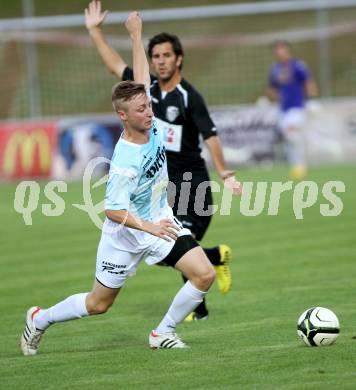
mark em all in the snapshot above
pixel 294 117
pixel 121 250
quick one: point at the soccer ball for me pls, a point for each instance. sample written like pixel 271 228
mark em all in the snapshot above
pixel 318 326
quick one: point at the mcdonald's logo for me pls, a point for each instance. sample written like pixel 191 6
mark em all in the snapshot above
pixel 27 152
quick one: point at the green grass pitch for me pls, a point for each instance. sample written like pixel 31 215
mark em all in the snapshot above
pixel 281 267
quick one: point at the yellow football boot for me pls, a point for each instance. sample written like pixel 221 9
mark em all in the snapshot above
pixel 189 317
pixel 298 173
pixel 223 273
pixel 195 317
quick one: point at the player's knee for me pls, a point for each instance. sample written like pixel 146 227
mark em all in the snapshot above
pixel 206 279
pixel 211 277
pixel 98 307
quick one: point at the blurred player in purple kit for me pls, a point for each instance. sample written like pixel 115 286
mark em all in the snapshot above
pixel 291 83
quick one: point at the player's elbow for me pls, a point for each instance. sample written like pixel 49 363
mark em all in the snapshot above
pixel 114 71
pixel 116 215
pixel 117 71
pixel 116 68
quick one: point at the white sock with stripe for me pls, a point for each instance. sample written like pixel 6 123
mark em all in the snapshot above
pixel 186 300
pixel 71 308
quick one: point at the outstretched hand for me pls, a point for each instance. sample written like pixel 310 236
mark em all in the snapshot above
pixel 226 174
pixel 235 186
pixel 93 15
pixel 134 23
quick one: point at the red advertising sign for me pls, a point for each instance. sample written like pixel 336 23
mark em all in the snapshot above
pixel 27 149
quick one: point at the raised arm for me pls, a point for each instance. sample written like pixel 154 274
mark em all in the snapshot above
pixel 140 64
pixel 93 20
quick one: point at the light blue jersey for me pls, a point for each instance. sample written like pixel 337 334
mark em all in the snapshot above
pixel 138 178
pixel 138 181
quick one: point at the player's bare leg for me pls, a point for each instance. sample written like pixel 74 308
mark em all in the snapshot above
pixel 200 274
pixel 98 301
pixel 197 268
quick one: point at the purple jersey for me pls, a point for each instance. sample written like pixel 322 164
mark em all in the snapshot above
pixel 289 80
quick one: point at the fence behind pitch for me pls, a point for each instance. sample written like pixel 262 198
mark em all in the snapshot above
pixel 56 71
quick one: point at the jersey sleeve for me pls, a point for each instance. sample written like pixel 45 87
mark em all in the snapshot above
pixel 121 185
pixel 302 71
pixel 129 75
pixel 201 117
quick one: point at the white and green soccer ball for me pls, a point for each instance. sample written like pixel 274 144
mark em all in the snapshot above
pixel 318 326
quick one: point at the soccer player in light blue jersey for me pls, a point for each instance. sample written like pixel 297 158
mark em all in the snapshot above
pixel 291 81
pixel 184 119
pixel 139 224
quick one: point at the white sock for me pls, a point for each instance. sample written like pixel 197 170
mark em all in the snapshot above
pixel 71 308
pixel 186 300
pixel 295 147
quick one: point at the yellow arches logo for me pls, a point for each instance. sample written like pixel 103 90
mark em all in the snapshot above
pixel 26 143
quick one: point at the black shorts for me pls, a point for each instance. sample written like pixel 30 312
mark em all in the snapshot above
pixel 182 245
pixel 188 216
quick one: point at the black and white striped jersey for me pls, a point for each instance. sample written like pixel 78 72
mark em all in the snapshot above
pixel 183 117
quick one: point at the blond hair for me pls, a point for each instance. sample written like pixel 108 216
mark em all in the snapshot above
pixel 124 92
